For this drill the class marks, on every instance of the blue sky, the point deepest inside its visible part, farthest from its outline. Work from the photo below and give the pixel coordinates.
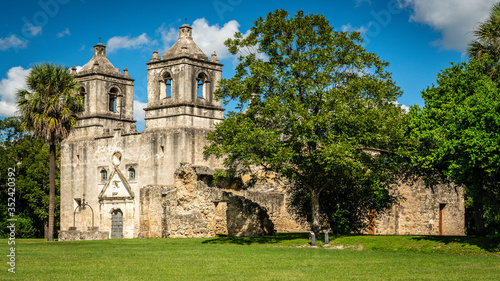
(417, 37)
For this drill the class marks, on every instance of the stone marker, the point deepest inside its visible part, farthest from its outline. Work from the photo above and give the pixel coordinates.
(313, 239)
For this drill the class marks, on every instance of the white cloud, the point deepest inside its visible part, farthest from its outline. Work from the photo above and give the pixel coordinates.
(454, 19)
(404, 107)
(168, 36)
(16, 80)
(350, 28)
(138, 110)
(212, 38)
(12, 42)
(63, 33)
(34, 30)
(208, 37)
(125, 42)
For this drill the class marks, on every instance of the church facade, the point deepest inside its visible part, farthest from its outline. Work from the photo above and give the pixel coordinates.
(119, 183)
(105, 161)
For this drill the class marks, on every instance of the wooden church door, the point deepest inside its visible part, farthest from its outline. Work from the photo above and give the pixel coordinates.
(117, 224)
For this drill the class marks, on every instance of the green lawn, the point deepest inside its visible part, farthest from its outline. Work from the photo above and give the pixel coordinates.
(282, 257)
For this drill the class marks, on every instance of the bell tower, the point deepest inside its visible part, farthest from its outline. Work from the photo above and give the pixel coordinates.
(108, 96)
(181, 86)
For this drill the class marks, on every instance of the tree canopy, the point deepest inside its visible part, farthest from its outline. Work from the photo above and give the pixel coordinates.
(29, 157)
(458, 133)
(315, 99)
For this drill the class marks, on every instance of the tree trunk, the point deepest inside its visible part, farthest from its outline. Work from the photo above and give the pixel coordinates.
(478, 218)
(52, 191)
(315, 227)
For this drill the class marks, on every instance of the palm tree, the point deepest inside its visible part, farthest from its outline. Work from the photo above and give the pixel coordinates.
(48, 109)
(487, 36)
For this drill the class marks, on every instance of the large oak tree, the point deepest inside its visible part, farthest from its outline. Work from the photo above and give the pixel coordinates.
(315, 99)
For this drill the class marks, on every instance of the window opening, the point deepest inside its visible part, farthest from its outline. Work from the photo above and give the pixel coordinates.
(104, 175)
(167, 86)
(201, 86)
(83, 94)
(131, 173)
(112, 99)
(200, 89)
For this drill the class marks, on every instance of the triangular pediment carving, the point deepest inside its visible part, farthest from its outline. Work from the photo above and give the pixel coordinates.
(117, 187)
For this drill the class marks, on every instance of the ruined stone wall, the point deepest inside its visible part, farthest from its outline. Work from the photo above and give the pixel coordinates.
(186, 209)
(424, 211)
(246, 218)
(276, 204)
(90, 234)
(192, 208)
(152, 210)
(220, 218)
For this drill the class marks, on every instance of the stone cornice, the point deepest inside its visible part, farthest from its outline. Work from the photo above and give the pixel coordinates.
(202, 106)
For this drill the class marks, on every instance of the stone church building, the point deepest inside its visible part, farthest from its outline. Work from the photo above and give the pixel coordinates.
(119, 183)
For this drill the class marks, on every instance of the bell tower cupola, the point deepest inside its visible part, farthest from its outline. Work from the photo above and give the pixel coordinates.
(108, 95)
(181, 86)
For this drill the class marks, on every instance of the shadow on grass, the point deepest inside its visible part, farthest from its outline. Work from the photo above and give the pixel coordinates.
(490, 244)
(280, 238)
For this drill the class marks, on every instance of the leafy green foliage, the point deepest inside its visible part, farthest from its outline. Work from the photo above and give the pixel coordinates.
(30, 157)
(458, 132)
(316, 99)
(48, 107)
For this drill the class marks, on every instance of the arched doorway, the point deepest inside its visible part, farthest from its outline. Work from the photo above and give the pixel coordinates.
(117, 224)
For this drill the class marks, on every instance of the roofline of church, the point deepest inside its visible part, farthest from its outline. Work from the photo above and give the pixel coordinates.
(106, 117)
(103, 74)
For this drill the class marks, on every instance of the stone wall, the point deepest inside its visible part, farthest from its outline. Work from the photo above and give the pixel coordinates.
(90, 234)
(220, 218)
(152, 210)
(424, 211)
(193, 208)
(275, 201)
(186, 209)
(246, 218)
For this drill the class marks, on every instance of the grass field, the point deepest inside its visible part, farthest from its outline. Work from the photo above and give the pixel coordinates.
(281, 257)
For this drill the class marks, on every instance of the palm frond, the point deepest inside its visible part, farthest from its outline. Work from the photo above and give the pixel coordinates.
(48, 106)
